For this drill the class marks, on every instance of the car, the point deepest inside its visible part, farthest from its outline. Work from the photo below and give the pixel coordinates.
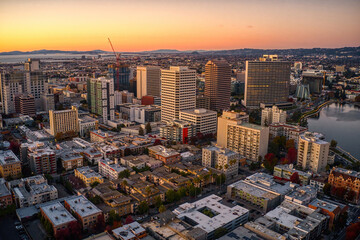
(17, 223)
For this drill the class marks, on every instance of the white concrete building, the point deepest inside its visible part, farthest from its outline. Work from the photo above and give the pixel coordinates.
(205, 120)
(209, 214)
(110, 169)
(312, 152)
(272, 115)
(287, 130)
(87, 124)
(178, 91)
(222, 159)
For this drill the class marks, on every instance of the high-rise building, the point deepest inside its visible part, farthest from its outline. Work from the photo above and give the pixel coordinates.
(266, 81)
(218, 84)
(48, 101)
(313, 152)
(178, 130)
(178, 91)
(221, 158)
(204, 120)
(25, 104)
(31, 81)
(148, 81)
(272, 115)
(121, 76)
(100, 97)
(234, 133)
(64, 123)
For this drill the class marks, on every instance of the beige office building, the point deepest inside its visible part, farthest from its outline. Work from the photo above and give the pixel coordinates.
(236, 134)
(217, 84)
(65, 121)
(313, 152)
(148, 81)
(178, 92)
(266, 81)
(204, 120)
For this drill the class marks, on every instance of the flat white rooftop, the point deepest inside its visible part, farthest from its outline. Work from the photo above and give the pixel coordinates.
(222, 214)
(82, 206)
(57, 214)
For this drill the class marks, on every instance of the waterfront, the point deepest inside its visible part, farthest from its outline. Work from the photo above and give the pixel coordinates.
(339, 122)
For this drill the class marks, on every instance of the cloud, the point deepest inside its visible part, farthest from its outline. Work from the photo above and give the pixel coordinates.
(250, 26)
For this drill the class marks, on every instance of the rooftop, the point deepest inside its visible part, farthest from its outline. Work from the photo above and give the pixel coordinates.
(222, 213)
(8, 157)
(323, 205)
(88, 172)
(57, 214)
(82, 206)
(163, 151)
(266, 181)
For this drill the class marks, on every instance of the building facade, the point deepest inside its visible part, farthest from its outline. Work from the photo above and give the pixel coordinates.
(64, 122)
(272, 115)
(178, 130)
(178, 91)
(266, 82)
(204, 120)
(148, 81)
(10, 165)
(218, 84)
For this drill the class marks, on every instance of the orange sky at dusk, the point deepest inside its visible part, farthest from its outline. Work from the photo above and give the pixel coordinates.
(138, 25)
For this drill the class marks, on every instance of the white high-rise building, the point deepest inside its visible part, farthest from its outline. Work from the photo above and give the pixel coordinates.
(313, 152)
(178, 92)
(148, 81)
(272, 115)
(204, 120)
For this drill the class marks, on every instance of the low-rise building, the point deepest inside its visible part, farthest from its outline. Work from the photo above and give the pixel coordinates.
(166, 155)
(348, 179)
(284, 172)
(32, 190)
(178, 131)
(87, 124)
(110, 168)
(302, 195)
(223, 159)
(5, 194)
(88, 176)
(259, 189)
(287, 130)
(10, 165)
(209, 214)
(130, 231)
(39, 156)
(100, 136)
(58, 216)
(203, 119)
(138, 162)
(71, 160)
(92, 155)
(84, 210)
(318, 182)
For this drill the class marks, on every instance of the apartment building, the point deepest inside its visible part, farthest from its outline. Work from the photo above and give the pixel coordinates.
(71, 160)
(148, 81)
(203, 119)
(284, 172)
(64, 122)
(84, 210)
(88, 176)
(313, 152)
(289, 131)
(5, 194)
(348, 179)
(166, 155)
(110, 168)
(223, 159)
(10, 165)
(178, 130)
(272, 115)
(32, 190)
(25, 104)
(87, 124)
(130, 231)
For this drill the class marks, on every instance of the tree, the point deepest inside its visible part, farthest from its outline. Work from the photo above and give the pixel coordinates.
(290, 143)
(340, 192)
(143, 207)
(357, 98)
(353, 231)
(270, 161)
(94, 184)
(148, 128)
(129, 219)
(350, 196)
(141, 131)
(75, 230)
(295, 178)
(333, 143)
(162, 209)
(158, 201)
(157, 142)
(291, 155)
(100, 223)
(170, 196)
(127, 152)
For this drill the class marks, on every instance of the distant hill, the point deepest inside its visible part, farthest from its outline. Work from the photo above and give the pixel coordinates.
(345, 51)
(44, 51)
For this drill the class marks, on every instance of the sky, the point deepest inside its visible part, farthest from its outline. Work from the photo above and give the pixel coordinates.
(139, 25)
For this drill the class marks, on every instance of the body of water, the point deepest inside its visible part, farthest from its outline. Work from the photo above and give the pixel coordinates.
(44, 57)
(341, 123)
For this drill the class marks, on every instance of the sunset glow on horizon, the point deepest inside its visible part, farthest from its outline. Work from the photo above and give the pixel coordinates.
(141, 25)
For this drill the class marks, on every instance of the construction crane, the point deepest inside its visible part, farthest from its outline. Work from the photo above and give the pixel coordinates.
(117, 56)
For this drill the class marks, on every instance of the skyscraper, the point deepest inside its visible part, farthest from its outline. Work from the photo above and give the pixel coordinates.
(218, 84)
(148, 81)
(178, 91)
(266, 81)
(121, 76)
(100, 96)
(25, 104)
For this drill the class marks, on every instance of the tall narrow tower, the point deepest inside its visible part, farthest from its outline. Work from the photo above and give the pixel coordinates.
(218, 84)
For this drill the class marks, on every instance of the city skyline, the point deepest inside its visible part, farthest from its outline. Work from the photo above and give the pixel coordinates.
(186, 25)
